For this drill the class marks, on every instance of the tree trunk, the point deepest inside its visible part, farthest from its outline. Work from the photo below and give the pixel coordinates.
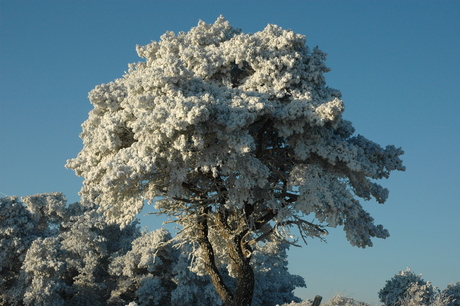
(244, 286)
(208, 256)
(245, 275)
(240, 257)
(317, 300)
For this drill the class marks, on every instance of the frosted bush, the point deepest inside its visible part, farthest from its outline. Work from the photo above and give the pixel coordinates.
(75, 257)
(48, 208)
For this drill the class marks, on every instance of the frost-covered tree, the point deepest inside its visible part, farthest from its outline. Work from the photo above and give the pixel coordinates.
(452, 294)
(48, 209)
(23, 221)
(145, 273)
(274, 285)
(236, 136)
(58, 254)
(193, 287)
(45, 268)
(17, 232)
(91, 244)
(407, 288)
(53, 254)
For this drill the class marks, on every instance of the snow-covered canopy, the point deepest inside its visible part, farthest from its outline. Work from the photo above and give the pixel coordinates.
(216, 117)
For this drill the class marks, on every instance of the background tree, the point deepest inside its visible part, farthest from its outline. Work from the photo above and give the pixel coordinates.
(145, 273)
(54, 254)
(58, 254)
(337, 300)
(452, 294)
(407, 288)
(274, 285)
(239, 139)
(17, 232)
(24, 222)
(194, 286)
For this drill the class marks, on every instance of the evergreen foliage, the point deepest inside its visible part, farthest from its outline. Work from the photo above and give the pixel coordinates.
(452, 292)
(237, 137)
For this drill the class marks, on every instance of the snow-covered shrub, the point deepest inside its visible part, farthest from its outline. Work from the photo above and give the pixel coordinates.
(91, 243)
(407, 288)
(49, 209)
(57, 254)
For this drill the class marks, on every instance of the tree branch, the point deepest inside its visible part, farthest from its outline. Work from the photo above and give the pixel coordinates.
(260, 136)
(191, 188)
(306, 229)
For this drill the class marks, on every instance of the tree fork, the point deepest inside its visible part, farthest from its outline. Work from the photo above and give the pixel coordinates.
(208, 256)
(238, 250)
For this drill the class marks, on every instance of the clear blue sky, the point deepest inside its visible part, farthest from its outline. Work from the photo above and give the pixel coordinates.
(397, 64)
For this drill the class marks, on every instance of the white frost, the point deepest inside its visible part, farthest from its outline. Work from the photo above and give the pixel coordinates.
(243, 118)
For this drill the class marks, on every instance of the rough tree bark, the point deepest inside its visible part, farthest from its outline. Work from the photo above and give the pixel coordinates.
(240, 255)
(241, 258)
(209, 258)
